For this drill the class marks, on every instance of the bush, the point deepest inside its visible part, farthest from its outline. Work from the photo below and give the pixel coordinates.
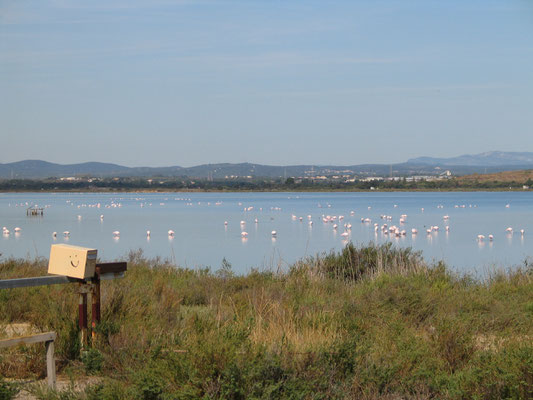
(93, 360)
(149, 384)
(354, 263)
(8, 390)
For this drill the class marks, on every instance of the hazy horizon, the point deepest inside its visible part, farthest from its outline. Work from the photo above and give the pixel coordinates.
(184, 82)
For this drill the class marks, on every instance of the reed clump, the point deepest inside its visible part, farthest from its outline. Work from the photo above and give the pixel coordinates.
(370, 322)
(355, 263)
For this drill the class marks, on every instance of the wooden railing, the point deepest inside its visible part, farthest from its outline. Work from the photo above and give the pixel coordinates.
(48, 338)
(104, 271)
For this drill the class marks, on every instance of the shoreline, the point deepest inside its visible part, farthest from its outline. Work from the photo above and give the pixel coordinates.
(425, 190)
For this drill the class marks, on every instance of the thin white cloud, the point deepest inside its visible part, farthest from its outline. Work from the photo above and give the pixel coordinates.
(123, 5)
(383, 90)
(279, 59)
(71, 12)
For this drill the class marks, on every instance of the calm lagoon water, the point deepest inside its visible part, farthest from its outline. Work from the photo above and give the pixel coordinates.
(201, 239)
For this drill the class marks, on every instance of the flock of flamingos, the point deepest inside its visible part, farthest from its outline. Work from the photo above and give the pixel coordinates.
(386, 228)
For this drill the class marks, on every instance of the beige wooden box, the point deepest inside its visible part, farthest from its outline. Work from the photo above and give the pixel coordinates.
(74, 261)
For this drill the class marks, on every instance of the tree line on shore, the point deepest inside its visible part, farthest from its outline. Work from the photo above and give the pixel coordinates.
(254, 184)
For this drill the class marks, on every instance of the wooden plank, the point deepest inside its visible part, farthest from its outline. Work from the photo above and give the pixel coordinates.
(41, 337)
(35, 281)
(112, 267)
(50, 364)
(115, 268)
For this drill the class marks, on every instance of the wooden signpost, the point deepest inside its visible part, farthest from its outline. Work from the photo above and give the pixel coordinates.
(88, 285)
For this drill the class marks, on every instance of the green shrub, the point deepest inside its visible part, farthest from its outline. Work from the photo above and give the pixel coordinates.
(108, 390)
(93, 360)
(354, 263)
(149, 384)
(8, 390)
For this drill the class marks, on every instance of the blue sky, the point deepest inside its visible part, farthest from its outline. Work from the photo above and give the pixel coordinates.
(188, 82)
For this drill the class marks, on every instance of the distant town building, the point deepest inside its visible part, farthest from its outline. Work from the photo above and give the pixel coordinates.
(372, 179)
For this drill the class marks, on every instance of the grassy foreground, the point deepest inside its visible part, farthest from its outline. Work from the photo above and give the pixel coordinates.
(366, 323)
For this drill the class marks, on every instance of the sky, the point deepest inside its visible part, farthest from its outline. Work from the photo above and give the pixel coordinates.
(184, 82)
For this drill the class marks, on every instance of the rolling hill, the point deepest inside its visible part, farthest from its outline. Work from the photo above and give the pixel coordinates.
(488, 159)
(491, 162)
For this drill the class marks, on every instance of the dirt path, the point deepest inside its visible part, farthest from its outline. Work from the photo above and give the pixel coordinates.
(63, 383)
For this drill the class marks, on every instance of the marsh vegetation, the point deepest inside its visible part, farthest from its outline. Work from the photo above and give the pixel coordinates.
(369, 322)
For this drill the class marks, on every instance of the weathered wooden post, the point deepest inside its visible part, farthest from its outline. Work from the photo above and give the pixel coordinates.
(82, 313)
(95, 311)
(50, 363)
(48, 338)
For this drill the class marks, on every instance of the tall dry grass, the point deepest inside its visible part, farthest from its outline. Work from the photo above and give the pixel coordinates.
(368, 322)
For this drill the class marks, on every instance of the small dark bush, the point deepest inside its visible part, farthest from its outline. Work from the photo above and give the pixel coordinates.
(8, 390)
(353, 263)
(93, 361)
(149, 384)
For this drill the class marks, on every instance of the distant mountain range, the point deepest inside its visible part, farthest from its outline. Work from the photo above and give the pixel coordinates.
(37, 169)
(488, 159)
(490, 162)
